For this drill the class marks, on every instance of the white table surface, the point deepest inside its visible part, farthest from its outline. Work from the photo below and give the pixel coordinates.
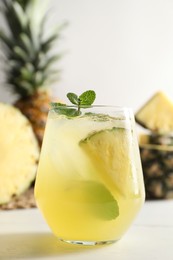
(25, 235)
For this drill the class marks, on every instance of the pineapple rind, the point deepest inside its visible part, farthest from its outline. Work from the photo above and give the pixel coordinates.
(157, 114)
(157, 167)
(147, 140)
(19, 153)
(157, 164)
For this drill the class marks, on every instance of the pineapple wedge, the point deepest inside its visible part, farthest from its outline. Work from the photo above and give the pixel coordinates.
(19, 153)
(157, 114)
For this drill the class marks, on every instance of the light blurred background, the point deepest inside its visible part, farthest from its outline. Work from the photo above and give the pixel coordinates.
(122, 49)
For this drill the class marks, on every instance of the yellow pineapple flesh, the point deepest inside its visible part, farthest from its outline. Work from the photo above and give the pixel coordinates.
(19, 153)
(157, 114)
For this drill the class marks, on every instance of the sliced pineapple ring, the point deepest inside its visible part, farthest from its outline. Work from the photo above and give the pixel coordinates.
(19, 153)
(157, 114)
(110, 151)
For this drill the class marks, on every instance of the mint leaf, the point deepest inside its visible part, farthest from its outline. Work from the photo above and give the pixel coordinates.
(101, 201)
(70, 112)
(83, 101)
(94, 197)
(56, 104)
(73, 98)
(87, 98)
(62, 109)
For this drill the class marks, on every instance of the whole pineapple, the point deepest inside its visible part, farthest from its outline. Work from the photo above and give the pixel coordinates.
(156, 147)
(29, 63)
(157, 162)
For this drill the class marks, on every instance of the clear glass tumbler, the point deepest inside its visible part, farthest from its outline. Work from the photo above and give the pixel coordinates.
(89, 184)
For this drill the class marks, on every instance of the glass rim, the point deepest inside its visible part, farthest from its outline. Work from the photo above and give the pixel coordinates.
(118, 108)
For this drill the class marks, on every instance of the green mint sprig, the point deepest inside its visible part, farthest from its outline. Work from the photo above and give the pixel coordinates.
(85, 100)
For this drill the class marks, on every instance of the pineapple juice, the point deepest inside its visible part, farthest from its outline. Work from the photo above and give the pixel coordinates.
(89, 183)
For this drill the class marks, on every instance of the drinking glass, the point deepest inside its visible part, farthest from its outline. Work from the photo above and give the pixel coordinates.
(89, 185)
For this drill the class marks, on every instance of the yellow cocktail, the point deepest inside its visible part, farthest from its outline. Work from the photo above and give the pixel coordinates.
(89, 184)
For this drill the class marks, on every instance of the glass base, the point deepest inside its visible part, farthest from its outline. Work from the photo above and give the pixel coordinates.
(88, 243)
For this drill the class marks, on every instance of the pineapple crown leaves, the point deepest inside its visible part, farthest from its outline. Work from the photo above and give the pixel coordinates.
(28, 50)
(23, 3)
(14, 16)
